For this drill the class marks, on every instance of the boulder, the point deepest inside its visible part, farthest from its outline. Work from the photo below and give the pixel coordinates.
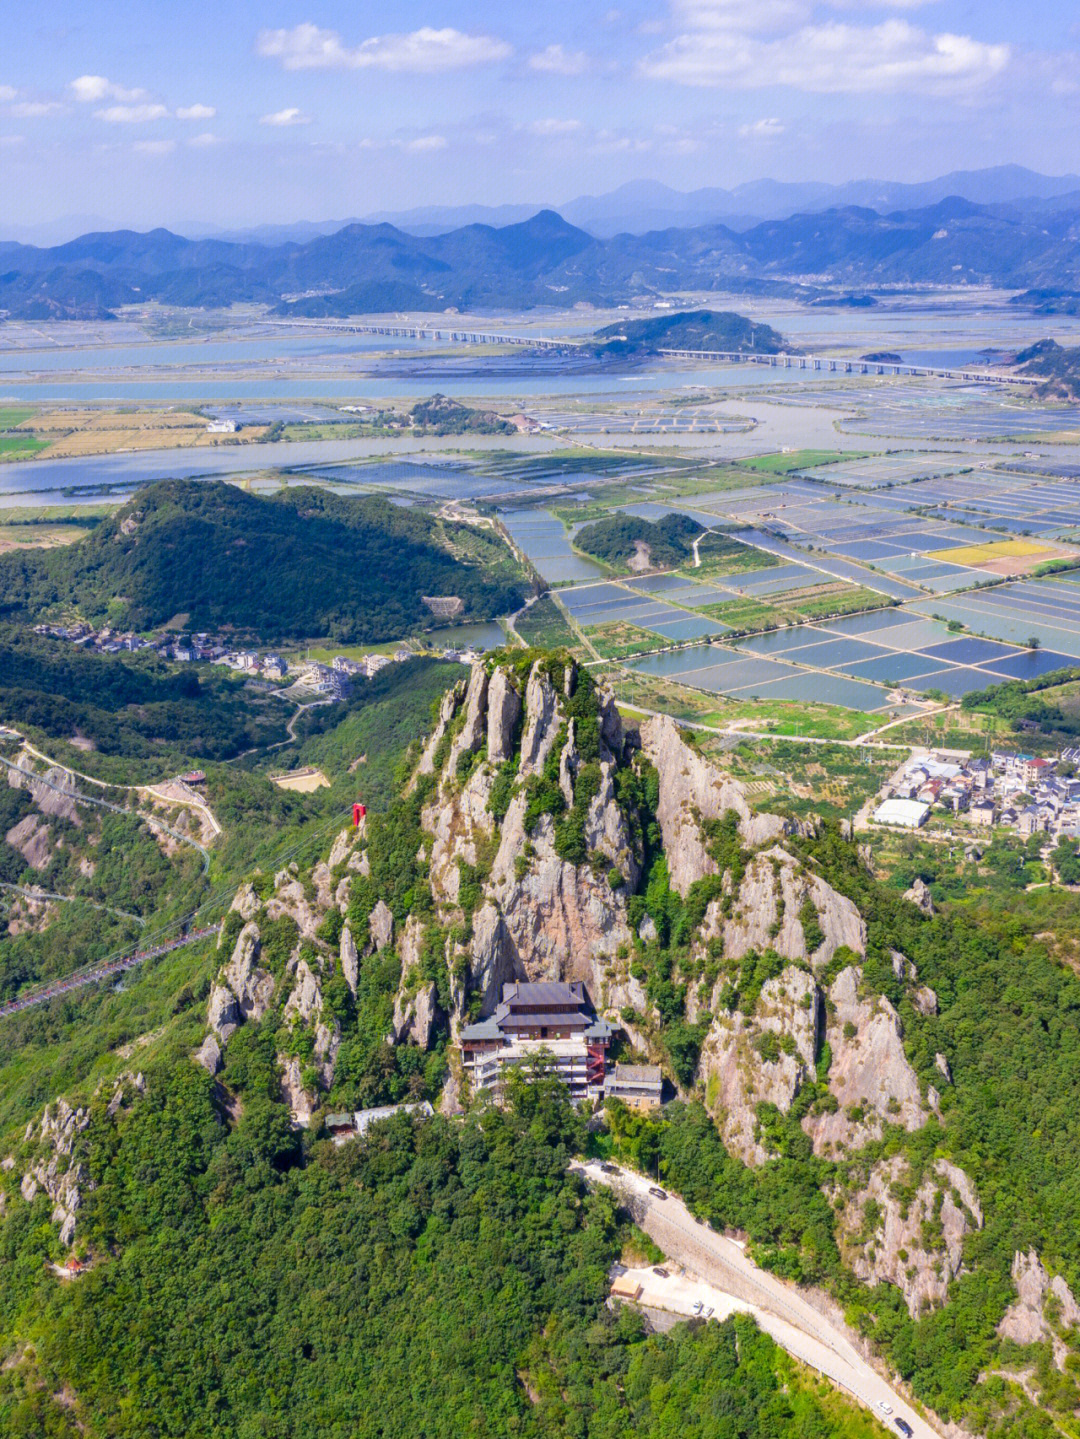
(1026, 1320)
(920, 896)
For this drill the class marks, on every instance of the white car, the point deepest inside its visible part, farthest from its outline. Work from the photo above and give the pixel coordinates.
(884, 1407)
(698, 1306)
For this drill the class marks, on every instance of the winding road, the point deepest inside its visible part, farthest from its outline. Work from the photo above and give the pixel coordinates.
(725, 1277)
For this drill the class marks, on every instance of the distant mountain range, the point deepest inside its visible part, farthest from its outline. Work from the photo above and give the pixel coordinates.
(643, 205)
(546, 260)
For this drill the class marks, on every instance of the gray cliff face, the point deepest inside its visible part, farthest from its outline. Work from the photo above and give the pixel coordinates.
(692, 789)
(349, 958)
(541, 721)
(870, 1075)
(504, 712)
(763, 1058)
(916, 1244)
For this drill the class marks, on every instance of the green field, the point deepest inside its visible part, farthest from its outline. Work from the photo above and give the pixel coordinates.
(783, 464)
(17, 447)
(544, 626)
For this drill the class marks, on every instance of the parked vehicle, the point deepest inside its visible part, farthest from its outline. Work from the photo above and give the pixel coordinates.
(698, 1306)
(905, 1428)
(663, 1273)
(884, 1407)
(657, 1193)
(609, 1168)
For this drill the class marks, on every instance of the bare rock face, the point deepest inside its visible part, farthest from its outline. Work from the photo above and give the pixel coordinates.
(447, 710)
(32, 837)
(766, 1057)
(606, 829)
(692, 789)
(305, 1002)
(209, 1056)
(459, 823)
(381, 926)
(541, 721)
(415, 1017)
(561, 921)
(869, 1075)
(766, 912)
(252, 986)
(246, 902)
(53, 1171)
(301, 1102)
(327, 1044)
(925, 1000)
(468, 738)
(885, 1240)
(919, 895)
(339, 851)
(53, 793)
(1025, 1321)
(503, 713)
(349, 958)
(493, 959)
(223, 1013)
(289, 899)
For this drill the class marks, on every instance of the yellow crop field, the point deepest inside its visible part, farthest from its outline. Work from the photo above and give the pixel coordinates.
(994, 550)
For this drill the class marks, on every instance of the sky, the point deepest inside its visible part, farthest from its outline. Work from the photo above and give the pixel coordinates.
(225, 113)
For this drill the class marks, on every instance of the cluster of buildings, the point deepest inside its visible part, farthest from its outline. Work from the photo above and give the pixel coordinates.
(332, 680)
(555, 1020)
(1030, 794)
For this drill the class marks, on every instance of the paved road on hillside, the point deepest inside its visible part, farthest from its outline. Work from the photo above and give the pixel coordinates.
(779, 1308)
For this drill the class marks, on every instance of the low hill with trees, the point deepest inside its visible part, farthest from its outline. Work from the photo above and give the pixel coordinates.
(693, 330)
(303, 563)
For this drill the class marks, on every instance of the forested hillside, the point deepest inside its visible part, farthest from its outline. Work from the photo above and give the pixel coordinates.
(303, 563)
(879, 1088)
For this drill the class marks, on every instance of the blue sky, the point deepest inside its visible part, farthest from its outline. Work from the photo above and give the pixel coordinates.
(240, 113)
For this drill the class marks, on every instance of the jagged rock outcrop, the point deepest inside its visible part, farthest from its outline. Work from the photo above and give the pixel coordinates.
(869, 1075)
(911, 1237)
(289, 898)
(562, 921)
(1029, 1319)
(447, 710)
(53, 792)
(252, 986)
(692, 789)
(503, 713)
(416, 1015)
(493, 957)
(54, 1168)
(474, 728)
(381, 926)
(209, 1056)
(606, 829)
(301, 1101)
(349, 958)
(541, 720)
(762, 1058)
(246, 903)
(223, 1012)
(305, 999)
(920, 896)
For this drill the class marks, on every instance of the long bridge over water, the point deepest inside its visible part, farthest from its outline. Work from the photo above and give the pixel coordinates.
(825, 364)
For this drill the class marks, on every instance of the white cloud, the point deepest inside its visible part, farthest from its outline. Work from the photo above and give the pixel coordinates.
(833, 58)
(291, 116)
(753, 17)
(554, 60)
(154, 147)
(767, 129)
(32, 109)
(131, 114)
(203, 141)
(554, 127)
(423, 52)
(7, 92)
(8, 142)
(424, 144)
(195, 112)
(93, 88)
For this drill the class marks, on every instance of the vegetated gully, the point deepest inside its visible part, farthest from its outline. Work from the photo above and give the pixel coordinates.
(780, 1309)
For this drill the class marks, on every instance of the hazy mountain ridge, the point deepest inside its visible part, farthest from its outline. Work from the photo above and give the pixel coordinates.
(545, 260)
